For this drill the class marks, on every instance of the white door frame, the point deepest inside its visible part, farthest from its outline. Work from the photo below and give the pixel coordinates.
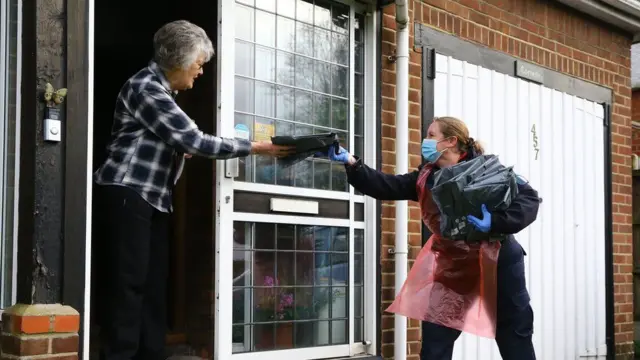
(225, 215)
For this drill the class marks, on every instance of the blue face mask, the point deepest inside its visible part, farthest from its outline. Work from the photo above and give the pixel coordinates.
(430, 151)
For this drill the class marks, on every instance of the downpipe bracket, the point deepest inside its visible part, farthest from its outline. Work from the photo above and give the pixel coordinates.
(393, 251)
(393, 57)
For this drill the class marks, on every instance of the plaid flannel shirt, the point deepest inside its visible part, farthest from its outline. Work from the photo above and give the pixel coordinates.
(151, 134)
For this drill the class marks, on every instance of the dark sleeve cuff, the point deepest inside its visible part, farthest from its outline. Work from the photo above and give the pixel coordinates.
(356, 166)
(243, 147)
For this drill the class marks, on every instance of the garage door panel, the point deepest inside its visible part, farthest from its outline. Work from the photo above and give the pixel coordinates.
(555, 141)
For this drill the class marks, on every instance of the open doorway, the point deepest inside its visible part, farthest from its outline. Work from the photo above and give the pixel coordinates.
(123, 45)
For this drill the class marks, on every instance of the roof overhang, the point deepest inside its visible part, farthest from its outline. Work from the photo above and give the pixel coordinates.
(624, 14)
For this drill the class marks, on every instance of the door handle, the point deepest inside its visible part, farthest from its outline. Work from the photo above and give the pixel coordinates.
(232, 168)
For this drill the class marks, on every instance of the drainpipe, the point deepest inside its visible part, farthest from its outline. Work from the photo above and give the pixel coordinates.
(402, 166)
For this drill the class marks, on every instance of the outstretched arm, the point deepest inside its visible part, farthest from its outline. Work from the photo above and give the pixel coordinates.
(379, 185)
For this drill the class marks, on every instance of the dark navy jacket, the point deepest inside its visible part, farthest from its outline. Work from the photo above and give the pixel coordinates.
(378, 185)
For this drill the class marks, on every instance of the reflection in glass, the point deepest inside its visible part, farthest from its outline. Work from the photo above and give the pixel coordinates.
(304, 39)
(339, 114)
(267, 34)
(304, 109)
(286, 293)
(299, 56)
(358, 146)
(339, 178)
(304, 72)
(245, 29)
(358, 121)
(359, 89)
(285, 107)
(266, 67)
(340, 49)
(265, 99)
(287, 8)
(322, 14)
(340, 84)
(304, 11)
(286, 68)
(340, 16)
(286, 34)
(359, 57)
(304, 174)
(244, 95)
(322, 44)
(322, 110)
(322, 175)
(322, 74)
(244, 58)
(269, 5)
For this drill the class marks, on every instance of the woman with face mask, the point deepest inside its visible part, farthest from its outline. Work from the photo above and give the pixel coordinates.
(448, 143)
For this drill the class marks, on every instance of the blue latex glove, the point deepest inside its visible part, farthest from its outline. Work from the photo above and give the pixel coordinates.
(342, 156)
(483, 224)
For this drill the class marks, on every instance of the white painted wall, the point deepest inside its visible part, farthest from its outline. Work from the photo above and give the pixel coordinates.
(565, 265)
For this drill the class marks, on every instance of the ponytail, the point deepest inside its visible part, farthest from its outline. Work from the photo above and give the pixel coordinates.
(476, 146)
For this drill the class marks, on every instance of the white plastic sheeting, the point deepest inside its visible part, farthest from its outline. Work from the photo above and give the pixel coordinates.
(556, 141)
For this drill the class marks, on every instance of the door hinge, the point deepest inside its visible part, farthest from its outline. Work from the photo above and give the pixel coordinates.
(429, 66)
(606, 119)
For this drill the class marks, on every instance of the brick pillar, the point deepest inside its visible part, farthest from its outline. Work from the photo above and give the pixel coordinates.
(46, 332)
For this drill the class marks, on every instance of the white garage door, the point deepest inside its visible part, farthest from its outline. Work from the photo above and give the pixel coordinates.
(556, 141)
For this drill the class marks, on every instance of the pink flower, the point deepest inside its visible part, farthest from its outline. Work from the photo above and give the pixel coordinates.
(287, 300)
(268, 281)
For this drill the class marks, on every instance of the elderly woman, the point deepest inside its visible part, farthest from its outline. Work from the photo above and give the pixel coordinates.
(151, 136)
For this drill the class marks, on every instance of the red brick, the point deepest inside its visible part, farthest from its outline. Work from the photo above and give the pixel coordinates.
(14, 345)
(66, 323)
(66, 344)
(31, 324)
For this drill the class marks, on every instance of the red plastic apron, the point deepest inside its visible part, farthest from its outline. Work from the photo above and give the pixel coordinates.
(451, 283)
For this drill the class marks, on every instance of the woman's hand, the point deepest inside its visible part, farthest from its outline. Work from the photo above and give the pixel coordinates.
(483, 224)
(342, 156)
(268, 148)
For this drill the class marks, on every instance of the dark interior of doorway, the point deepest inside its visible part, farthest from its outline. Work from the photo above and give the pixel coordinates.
(123, 45)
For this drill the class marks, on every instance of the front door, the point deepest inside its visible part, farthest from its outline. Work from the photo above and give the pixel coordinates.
(295, 247)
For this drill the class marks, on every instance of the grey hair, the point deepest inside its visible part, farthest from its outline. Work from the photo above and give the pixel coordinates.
(177, 45)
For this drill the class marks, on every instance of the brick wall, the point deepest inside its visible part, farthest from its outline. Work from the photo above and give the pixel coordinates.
(541, 32)
(40, 332)
(635, 111)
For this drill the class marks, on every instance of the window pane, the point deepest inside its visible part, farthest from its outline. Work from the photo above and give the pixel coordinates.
(269, 5)
(287, 8)
(266, 23)
(244, 58)
(305, 11)
(266, 67)
(297, 293)
(286, 33)
(245, 30)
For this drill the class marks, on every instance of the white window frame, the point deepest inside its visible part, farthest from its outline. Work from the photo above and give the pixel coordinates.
(225, 216)
(5, 23)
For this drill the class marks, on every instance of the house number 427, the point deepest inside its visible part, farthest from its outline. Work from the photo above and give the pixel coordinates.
(535, 140)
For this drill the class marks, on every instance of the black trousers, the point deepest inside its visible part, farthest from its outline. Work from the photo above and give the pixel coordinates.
(515, 315)
(135, 241)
